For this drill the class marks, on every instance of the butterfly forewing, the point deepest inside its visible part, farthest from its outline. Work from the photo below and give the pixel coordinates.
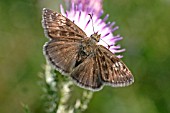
(58, 26)
(113, 71)
(73, 53)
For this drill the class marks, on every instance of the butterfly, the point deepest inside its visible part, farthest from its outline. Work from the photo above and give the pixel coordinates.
(75, 54)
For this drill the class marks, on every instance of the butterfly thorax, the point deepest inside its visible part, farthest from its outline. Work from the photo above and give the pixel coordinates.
(92, 40)
(89, 45)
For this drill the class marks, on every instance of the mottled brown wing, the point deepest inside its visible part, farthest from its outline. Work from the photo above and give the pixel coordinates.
(57, 26)
(87, 74)
(62, 56)
(65, 37)
(100, 68)
(113, 71)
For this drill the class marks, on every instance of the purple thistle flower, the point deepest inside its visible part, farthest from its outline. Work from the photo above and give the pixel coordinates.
(94, 6)
(78, 11)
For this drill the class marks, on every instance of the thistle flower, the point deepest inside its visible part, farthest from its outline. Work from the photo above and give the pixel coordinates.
(78, 12)
(94, 6)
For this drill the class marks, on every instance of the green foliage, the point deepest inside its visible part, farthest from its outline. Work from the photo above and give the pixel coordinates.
(26, 108)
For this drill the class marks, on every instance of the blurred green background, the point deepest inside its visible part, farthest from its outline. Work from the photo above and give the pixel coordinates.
(145, 26)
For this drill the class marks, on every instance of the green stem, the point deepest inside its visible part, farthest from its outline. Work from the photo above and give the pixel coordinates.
(64, 96)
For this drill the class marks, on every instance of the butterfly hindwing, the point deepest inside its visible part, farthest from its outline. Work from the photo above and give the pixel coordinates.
(62, 55)
(87, 74)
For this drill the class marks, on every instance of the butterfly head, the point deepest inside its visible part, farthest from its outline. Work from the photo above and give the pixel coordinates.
(96, 36)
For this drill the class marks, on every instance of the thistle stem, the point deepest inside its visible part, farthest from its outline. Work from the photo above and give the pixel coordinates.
(62, 95)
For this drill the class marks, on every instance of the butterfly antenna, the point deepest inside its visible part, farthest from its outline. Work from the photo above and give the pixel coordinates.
(106, 43)
(92, 21)
(94, 32)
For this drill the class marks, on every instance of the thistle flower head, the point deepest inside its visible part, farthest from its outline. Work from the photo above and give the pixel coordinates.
(79, 11)
(94, 6)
